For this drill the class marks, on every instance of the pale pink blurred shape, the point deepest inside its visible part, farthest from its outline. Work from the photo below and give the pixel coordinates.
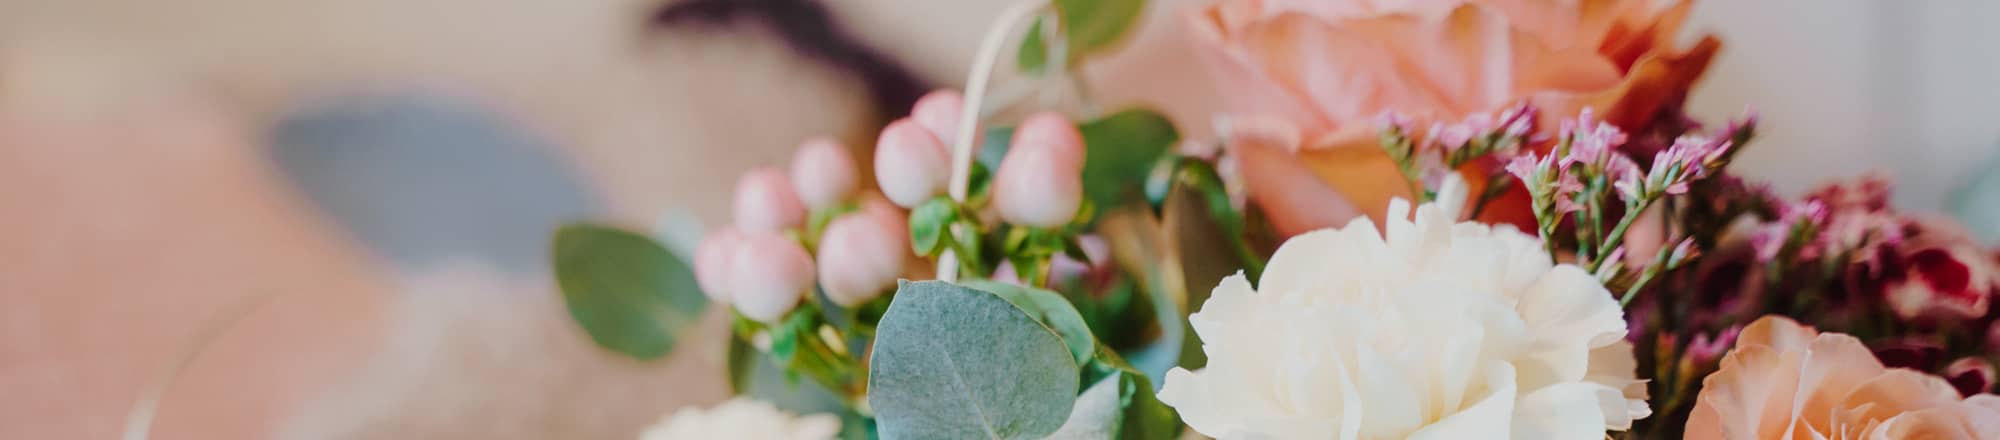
(911, 164)
(766, 202)
(861, 255)
(712, 260)
(1786, 380)
(1040, 182)
(768, 274)
(939, 111)
(824, 173)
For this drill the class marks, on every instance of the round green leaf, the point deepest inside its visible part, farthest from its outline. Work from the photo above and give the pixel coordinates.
(954, 362)
(1050, 309)
(630, 294)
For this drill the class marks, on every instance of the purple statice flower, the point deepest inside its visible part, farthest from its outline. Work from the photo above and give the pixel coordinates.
(1591, 141)
(1453, 136)
(1524, 167)
(1626, 178)
(1517, 121)
(1567, 185)
(1774, 238)
(1391, 120)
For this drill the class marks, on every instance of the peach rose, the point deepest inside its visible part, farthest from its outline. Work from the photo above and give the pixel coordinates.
(1785, 380)
(1327, 69)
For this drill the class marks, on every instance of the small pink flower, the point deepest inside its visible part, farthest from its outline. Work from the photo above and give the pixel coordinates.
(1705, 350)
(1063, 269)
(939, 111)
(768, 274)
(712, 260)
(911, 164)
(862, 254)
(823, 173)
(1040, 182)
(766, 202)
(1970, 375)
(1523, 167)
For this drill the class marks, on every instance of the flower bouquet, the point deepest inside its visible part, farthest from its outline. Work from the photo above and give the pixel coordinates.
(1447, 219)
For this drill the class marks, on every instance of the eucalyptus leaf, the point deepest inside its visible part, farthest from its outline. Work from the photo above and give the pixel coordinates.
(1048, 308)
(1120, 404)
(955, 362)
(629, 293)
(1097, 414)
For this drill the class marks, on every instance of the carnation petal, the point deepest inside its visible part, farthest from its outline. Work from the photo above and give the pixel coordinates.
(1561, 411)
(1489, 414)
(1568, 313)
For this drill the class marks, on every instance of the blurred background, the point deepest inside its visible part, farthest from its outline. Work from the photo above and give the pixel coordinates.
(329, 219)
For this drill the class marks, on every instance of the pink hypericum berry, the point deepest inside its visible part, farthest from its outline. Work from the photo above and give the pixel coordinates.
(766, 202)
(911, 165)
(768, 274)
(1040, 182)
(824, 173)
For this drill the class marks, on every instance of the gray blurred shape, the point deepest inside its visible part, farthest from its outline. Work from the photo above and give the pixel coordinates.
(423, 178)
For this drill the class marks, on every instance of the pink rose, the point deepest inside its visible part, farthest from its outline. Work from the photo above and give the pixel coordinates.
(1329, 68)
(1786, 380)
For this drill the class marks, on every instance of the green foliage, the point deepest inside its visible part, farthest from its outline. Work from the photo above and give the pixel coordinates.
(1087, 27)
(629, 293)
(1199, 176)
(1050, 309)
(928, 223)
(955, 362)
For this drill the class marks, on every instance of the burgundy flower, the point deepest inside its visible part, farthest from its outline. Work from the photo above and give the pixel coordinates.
(1970, 375)
(1943, 275)
(1913, 352)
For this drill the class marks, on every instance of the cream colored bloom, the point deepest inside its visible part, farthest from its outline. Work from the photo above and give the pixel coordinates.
(1443, 330)
(742, 418)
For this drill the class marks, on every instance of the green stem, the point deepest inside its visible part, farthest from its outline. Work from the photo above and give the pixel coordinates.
(1617, 236)
(1653, 269)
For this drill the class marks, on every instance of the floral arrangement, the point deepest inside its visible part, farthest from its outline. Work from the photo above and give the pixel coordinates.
(1446, 219)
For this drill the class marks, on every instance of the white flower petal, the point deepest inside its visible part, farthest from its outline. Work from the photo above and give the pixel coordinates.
(1561, 412)
(1489, 415)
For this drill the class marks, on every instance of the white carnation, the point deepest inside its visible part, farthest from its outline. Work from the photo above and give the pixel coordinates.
(1442, 330)
(743, 419)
